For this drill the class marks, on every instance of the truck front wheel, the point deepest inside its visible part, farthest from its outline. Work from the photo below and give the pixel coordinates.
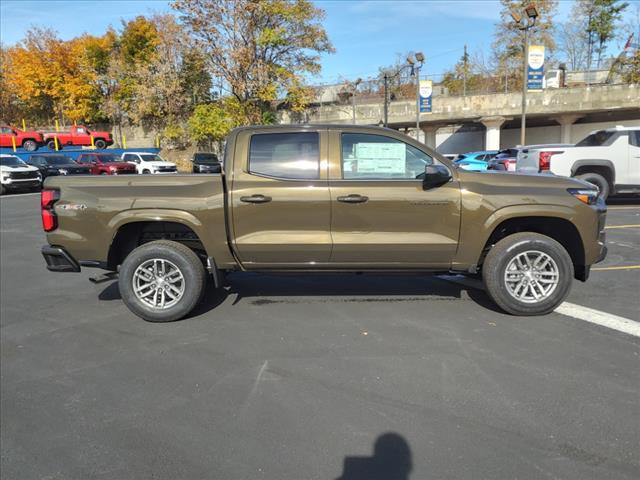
(161, 281)
(528, 274)
(51, 145)
(100, 144)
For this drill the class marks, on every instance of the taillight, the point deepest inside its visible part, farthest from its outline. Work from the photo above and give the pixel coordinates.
(544, 160)
(47, 199)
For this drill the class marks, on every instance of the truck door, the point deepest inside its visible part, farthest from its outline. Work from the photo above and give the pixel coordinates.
(280, 207)
(634, 159)
(381, 216)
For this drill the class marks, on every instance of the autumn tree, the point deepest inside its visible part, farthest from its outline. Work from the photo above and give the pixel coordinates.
(509, 39)
(260, 50)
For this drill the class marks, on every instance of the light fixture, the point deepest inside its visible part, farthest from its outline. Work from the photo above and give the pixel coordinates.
(410, 60)
(531, 10)
(420, 57)
(516, 16)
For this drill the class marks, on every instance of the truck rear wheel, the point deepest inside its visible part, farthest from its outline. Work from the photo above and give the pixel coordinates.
(528, 274)
(599, 181)
(51, 145)
(161, 281)
(100, 144)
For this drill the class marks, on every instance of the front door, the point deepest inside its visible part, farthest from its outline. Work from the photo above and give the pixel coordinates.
(381, 216)
(280, 206)
(634, 159)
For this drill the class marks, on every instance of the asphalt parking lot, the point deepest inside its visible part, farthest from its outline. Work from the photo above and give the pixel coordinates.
(315, 377)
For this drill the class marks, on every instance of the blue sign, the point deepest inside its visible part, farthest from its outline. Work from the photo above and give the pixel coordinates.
(426, 92)
(535, 68)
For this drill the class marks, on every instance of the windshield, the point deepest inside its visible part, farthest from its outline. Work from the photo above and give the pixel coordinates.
(596, 139)
(108, 158)
(12, 162)
(205, 158)
(508, 153)
(152, 158)
(59, 160)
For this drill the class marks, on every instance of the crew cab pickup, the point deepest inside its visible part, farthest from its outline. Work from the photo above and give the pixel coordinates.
(78, 135)
(30, 141)
(608, 159)
(325, 198)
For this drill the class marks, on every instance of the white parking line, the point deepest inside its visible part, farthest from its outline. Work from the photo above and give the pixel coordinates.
(604, 319)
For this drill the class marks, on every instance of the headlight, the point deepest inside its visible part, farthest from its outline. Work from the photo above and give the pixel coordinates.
(5, 178)
(588, 196)
(113, 169)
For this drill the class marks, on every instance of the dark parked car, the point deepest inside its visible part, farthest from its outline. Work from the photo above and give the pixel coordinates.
(206, 163)
(106, 164)
(51, 164)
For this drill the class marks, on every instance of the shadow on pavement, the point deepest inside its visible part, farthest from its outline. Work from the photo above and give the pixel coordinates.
(271, 289)
(391, 460)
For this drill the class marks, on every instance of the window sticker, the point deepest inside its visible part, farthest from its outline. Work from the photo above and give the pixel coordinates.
(387, 158)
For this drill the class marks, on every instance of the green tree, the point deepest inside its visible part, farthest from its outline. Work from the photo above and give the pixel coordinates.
(260, 50)
(602, 17)
(212, 122)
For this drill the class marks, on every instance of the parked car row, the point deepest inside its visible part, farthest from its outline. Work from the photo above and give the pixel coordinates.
(23, 175)
(77, 135)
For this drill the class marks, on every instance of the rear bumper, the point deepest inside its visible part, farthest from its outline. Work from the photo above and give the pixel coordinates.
(59, 260)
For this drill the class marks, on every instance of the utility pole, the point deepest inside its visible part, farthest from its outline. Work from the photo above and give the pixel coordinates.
(464, 72)
(420, 59)
(386, 100)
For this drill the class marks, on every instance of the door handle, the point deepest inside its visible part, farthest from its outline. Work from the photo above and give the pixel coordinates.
(255, 199)
(353, 198)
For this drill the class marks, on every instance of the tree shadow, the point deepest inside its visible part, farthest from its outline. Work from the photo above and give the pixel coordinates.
(264, 289)
(391, 460)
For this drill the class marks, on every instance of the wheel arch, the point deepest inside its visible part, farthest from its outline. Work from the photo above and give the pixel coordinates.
(556, 227)
(604, 167)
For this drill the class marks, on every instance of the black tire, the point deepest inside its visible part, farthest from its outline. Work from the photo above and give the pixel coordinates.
(51, 145)
(599, 181)
(100, 144)
(146, 172)
(30, 145)
(506, 250)
(184, 259)
(103, 173)
(3, 189)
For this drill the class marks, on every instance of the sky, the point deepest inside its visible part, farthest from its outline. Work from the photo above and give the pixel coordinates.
(365, 34)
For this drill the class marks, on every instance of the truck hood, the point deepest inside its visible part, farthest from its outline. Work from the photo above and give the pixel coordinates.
(25, 168)
(529, 185)
(120, 165)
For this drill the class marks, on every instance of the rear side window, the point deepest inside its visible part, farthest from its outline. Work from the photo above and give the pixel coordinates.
(596, 139)
(285, 155)
(634, 138)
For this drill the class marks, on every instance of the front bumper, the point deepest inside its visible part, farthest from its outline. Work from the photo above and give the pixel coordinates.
(16, 184)
(59, 260)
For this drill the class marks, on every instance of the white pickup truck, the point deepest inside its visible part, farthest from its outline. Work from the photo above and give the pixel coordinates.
(609, 159)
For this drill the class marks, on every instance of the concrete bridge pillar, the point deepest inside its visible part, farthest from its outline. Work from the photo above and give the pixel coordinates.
(492, 136)
(565, 122)
(430, 135)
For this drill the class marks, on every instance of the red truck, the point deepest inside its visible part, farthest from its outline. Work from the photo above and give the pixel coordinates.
(78, 135)
(106, 164)
(30, 141)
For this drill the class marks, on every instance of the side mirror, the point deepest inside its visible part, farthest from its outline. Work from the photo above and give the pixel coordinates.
(434, 176)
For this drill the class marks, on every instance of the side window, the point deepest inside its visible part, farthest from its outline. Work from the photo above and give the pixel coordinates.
(634, 138)
(6, 130)
(376, 157)
(285, 155)
(80, 130)
(82, 159)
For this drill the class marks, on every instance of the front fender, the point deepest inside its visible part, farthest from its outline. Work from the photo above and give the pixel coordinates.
(474, 239)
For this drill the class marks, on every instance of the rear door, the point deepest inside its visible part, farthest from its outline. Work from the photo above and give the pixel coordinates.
(634, 159)
(280, 207)
(381, 215)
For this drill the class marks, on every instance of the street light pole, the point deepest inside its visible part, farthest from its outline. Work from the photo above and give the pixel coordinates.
(532, 13)
(420, 59)
(523, 122)
(386, 106)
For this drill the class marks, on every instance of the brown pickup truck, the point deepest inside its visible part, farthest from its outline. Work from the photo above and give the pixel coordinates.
(318, 198)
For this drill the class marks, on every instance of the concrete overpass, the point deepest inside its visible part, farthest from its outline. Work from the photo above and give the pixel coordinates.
(492, 121)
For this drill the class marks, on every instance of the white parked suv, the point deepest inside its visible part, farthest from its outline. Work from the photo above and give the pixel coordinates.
(149, 163)
(609, 159)
(17, 175)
